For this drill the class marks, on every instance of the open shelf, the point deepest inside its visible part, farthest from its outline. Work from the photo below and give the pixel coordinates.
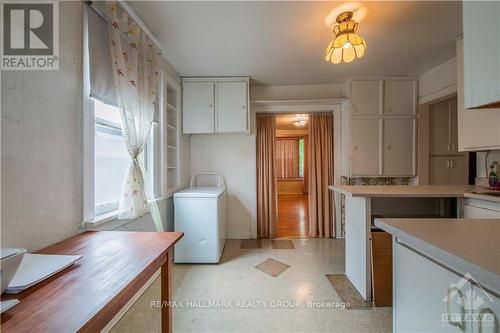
(171, 107)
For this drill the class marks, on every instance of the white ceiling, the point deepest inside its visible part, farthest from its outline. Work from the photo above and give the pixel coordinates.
(282, 43)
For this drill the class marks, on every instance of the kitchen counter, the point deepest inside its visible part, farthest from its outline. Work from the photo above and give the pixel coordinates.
(463, 245)
(413, 191)
(364, 203)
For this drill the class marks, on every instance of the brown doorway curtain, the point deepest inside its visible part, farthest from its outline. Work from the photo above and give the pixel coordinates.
(266, 176)
(321, 210)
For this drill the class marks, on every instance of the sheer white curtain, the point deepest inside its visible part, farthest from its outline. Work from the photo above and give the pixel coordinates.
(134, 59)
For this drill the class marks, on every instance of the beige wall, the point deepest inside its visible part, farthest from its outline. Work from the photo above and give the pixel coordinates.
(290, 187)
(232, 155)
(296, 92)
(42, 182)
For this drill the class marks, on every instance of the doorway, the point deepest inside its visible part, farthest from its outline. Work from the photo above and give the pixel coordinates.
(291, 165)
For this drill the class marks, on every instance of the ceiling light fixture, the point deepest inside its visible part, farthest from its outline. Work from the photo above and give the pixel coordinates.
(301, 121)
(347, 44)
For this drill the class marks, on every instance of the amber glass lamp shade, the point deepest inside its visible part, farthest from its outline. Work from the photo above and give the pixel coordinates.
(347, 44)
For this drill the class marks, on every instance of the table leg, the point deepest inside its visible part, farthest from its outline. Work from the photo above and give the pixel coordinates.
(166, 294)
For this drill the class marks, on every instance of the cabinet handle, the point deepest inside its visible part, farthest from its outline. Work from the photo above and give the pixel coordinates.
(452, 164)
(447, 164)
(389, 147)
(355, 147)
(448, 148)
(210, 105)
(452, 147)
(243, 107)
(449, 297)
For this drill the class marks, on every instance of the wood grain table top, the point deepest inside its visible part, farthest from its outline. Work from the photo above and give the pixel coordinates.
(87, 295)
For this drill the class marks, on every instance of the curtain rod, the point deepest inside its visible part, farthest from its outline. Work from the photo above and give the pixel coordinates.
(134, 15)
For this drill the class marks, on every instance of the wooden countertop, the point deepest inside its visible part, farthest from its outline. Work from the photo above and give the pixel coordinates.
(464, 245)
(437, 191)
(87, 295)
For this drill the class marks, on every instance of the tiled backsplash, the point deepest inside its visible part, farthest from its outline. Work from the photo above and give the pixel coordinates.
(365, 181)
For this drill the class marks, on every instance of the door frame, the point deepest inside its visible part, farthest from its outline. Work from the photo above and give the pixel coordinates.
(309, 106)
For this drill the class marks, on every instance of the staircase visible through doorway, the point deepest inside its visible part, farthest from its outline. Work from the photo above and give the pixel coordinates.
(293, 216)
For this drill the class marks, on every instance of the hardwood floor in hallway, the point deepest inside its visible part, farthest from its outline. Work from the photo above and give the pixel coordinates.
(293, 216)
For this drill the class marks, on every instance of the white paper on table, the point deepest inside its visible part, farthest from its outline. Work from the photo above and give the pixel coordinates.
(35, 268)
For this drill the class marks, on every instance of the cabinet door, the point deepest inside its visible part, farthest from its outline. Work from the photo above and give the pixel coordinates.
(477, 129)
(198, 107)
(366, 97)
(365, 147)
(489, 309)
(399, 147)
(481, 52)
(459, 170)
(439, 128)
(232, 107)
(420, 293)
(399, 97)
(475, 212)
(439, 170)
(453, 125)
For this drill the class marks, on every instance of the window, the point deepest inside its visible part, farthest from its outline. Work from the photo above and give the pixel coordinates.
(301, 158)
(106, 159)
(111, 158)
(290, 158)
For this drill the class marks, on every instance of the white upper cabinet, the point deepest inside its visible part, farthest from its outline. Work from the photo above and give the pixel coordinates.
(215, 105)
(481, 53)
(399, 147)
(232, 115)
(198, 100)
(399, 97)
(365, 147)
(477, 129)
(365, 97)
(379, 128)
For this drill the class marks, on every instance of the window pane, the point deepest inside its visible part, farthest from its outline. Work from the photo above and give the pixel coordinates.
(111, 158)
(301, 158)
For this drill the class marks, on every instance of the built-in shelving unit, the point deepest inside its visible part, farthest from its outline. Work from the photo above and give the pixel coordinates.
(171, 106)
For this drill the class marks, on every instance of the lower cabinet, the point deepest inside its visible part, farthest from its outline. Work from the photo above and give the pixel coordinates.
(480, 209)
(431, 298)
(449, 170)
(420, 293)
(489, 309)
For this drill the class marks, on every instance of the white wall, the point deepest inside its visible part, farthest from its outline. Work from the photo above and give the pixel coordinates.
(41, 137)
(296, 92)
(41, 145)
(232, 155)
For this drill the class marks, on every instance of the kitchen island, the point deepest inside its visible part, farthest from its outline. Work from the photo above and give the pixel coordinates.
(446, 274)
(364, 203)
